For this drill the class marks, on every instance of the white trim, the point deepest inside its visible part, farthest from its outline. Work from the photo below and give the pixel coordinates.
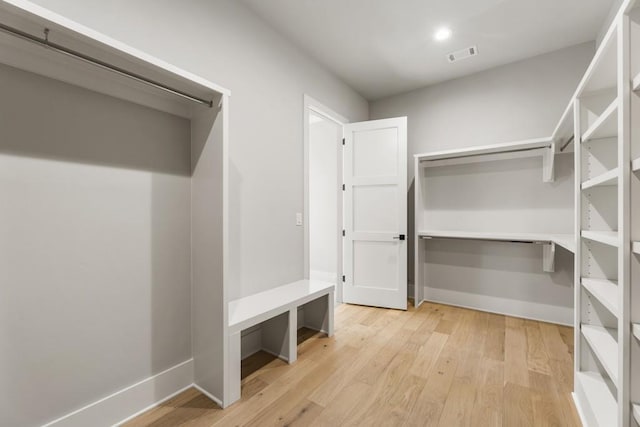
(508, 307)
(310, 104)
(118, 407)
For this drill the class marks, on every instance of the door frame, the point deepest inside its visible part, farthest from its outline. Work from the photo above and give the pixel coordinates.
(312, 105)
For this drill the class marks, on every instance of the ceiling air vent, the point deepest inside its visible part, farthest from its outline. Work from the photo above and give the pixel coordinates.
(465, 53)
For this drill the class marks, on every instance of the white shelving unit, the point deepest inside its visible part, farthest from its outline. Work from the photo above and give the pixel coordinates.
(604, 388)
(36, 40)
(545, 148)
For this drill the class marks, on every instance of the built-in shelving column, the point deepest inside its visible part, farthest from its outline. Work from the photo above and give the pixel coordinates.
(602, 226)
(634, 305)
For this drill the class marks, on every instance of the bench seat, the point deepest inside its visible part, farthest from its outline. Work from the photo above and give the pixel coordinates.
(276, 310)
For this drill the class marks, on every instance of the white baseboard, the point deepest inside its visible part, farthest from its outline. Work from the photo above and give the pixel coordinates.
(509, 307)
(131, 401)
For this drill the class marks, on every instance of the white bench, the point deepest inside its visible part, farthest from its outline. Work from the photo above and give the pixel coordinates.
(277, 311)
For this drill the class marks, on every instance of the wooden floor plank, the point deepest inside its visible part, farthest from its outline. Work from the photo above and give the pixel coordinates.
(518, 408)
(488, 407)
(516, 370)
(537, 357)
(429, 366)
(458, 407)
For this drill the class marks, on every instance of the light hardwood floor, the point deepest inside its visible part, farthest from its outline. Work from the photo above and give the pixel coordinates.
(434, 366)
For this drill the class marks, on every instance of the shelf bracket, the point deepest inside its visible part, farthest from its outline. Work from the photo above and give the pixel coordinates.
(548, 257)
(548, 163)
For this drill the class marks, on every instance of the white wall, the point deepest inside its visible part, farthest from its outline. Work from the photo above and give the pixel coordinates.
(94, 246)
(512, 102)
(226, 43)
(324, 141)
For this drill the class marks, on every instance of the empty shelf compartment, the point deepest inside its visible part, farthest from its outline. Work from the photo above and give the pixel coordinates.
(605, 291)
(604, 345)
(605, 126)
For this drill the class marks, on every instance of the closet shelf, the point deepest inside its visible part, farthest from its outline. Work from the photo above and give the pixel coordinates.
(605, 291)
(531, 145)
(608, 178)
(606, 237)
(606, 126)
(635, 165)
(636, 330)
(636, 247)
(599, 398)
(564, 240)
(604, 345)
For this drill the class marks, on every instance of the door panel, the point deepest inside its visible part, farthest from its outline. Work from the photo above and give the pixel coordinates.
(375, 223)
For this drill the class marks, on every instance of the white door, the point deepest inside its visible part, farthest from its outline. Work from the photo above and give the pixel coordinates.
(375, 213)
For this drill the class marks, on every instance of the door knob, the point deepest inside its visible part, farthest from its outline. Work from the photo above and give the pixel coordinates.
(400, 237)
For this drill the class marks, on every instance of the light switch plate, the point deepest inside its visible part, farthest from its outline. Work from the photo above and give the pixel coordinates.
(298, 219)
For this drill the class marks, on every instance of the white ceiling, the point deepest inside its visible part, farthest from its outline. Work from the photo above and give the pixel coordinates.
(384, 47)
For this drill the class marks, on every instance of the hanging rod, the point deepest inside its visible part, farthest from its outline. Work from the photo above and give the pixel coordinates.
(516, 150)
(488, 239)
(44, 42)
(566, 144)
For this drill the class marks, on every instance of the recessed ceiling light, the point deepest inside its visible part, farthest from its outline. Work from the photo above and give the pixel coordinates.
(442, 34)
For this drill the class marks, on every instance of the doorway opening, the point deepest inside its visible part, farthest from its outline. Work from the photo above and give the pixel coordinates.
(323, 193)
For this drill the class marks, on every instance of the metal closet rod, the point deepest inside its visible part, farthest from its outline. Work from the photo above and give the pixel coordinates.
(566, 144)
(44, 42)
